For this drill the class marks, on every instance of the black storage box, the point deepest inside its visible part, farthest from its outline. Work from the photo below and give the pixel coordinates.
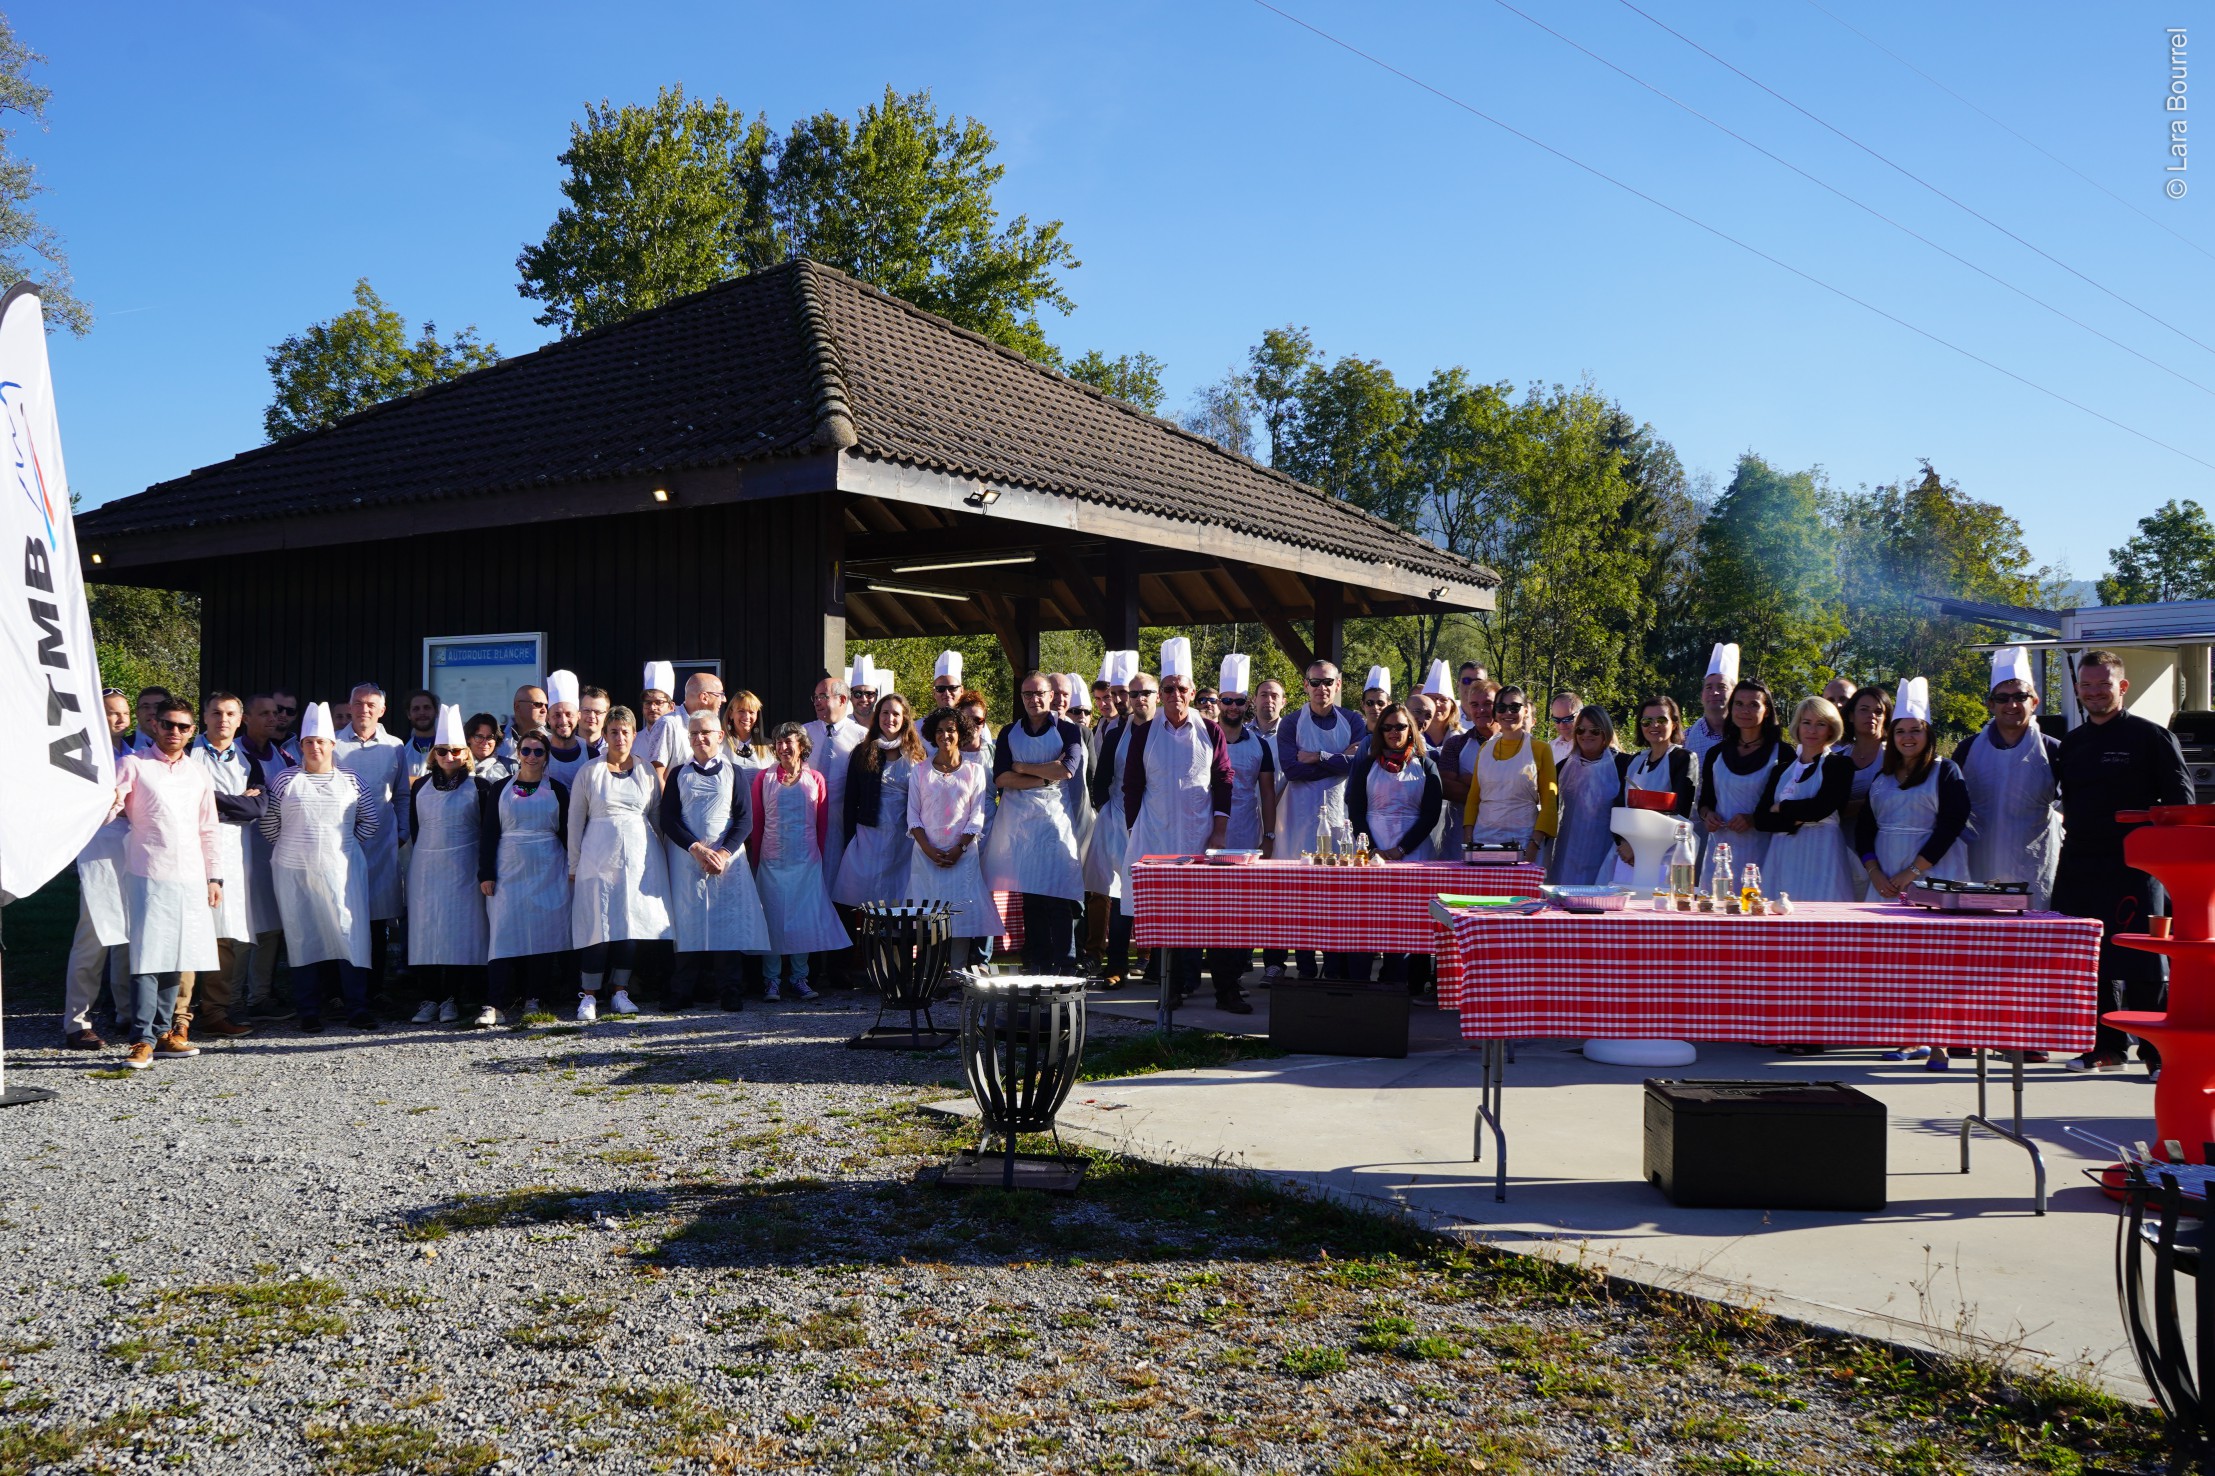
(1765, 1144)
(1338, 1017)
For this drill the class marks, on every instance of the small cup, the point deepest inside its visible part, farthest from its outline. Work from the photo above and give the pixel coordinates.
(2157, 927)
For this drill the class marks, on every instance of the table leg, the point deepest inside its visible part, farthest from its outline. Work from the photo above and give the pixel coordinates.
(1489, 1101)
(1163, 1017)
(1981, 1119)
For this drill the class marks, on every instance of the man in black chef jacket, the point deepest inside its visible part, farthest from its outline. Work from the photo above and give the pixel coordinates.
(2113, 761)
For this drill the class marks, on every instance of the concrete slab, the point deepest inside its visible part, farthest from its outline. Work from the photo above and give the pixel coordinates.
(1956, 1261)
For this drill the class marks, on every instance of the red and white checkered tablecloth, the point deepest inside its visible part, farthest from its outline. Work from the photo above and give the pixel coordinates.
(1293, 904)
(1011, 923)
(1832, 973)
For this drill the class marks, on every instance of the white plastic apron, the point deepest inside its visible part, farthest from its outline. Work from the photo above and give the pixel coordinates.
(446, 907)
(261, 901)
(2013, 813)
(622, 887)
(100, 883)
(793, 897)
(961, 885)
(1307, 802)
(1905, 818)
(1735, 794)
(1033, 847)
(1507, 799)
(875, 866)
(1103, 848)
(1811, 863)
(380, 769)
(1177, 814)
(230, 776)
(566, 770)
(528, 912)
(318, 872)
(830, 753)
(1585, 845)
(1395, 804)
(1243, 832)
(710, 913)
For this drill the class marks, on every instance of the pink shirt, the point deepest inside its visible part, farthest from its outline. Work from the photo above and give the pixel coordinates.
(947, 806)
(171, 810)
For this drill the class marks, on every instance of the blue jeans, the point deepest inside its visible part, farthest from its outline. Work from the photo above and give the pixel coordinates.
(311, 985)
(153, 1006)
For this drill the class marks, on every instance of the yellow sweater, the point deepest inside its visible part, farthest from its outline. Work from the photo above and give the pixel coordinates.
(1549, 788)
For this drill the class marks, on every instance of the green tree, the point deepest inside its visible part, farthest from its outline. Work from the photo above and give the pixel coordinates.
(1658, 525)
(662, 201)
(1224, 413)
(1768, 576)
(30, 250)
(2170, 557)
(146, 637)
(1274, 382)
(1134, 378)
(674, 198)
(1901, 547)
(361, 358)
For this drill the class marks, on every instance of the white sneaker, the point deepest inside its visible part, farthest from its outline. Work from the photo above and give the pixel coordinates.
(530, 1007)
(486, 1018)
(588, 1009)
(448, 1013)
(621, 1003)
(769, 992)
(425, 1013)
(800, 988)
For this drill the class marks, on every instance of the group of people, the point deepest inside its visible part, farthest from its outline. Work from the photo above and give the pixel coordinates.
(576, 844)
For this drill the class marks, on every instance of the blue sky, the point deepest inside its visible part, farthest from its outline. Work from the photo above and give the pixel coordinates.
(222, 174)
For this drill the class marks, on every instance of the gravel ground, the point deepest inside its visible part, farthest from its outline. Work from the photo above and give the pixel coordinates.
(698, 1243)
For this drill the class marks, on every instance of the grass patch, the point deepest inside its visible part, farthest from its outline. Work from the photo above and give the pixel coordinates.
(532, 1206)
(564, 1323)
(227, 1327)
(118, 1073)
(1145, 1052)
(1310, 1363)
(365, 1447)
(840, 1327)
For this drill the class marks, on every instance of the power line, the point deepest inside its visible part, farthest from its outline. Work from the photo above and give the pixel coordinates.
(2026, 142)
(1905, 230)
(1910, 174)
(1720, 234)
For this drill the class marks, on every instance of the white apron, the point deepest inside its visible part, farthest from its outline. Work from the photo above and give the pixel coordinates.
(1904, 821)
(1243, 832)
(875, 866)
(1033, 848)
(1586, 845)
(528, 912)
(831, 750)
(1507, 799)
(790, 877)
(1308, 802)
(1177, 814)
(961, 885)
(261, 901)
(1103, 848)
(418, 751)
(1395, 803)
(1812, 863)
(566, 770)
(1864, 776)
(709, 913)
(2016, 822)
(318, 872)
(622, 887)
(232, 776)
(381, 770)
(100, 883)
(1735, 794)
(446, 907)
(172, 926)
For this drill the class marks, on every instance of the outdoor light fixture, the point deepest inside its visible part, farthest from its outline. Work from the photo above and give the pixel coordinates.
(878, 587)
(661, 494)
(986, 563)
(983, 497)
(96, 558)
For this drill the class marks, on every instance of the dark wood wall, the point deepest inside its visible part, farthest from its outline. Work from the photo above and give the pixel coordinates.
(753, 583)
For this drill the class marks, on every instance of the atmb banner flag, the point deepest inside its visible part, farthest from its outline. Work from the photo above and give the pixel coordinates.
(54, 746)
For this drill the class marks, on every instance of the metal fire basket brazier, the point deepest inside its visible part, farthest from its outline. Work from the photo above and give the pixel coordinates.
(909, 951)
(1022, 1043)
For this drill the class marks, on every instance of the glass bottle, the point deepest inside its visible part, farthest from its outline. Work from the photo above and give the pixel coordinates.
(1720, 875)
(1684, 862)
(1323, 842)
(1362, 854)
(1749, 896)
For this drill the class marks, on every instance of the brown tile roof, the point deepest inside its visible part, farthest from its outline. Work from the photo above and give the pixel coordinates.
(793, 360)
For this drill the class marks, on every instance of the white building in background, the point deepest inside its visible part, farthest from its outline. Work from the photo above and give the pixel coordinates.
(2165, 649)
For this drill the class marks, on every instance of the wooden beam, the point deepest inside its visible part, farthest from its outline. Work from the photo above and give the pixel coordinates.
(1274, 618)
(1180, 615)
(1092, 610)
(966, 535)
(1330, 634)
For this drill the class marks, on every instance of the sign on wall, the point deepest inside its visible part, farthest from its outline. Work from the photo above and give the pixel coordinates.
(479, 673)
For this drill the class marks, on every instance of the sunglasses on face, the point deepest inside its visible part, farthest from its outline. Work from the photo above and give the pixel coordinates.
(169, 727)
(2010, 699)
(1660, 718)
(1233, 701)
(287, 711)
(532, 753)
(1138, 692)
(947, 687)
(1572, 717)
(1322, 681)
(1395, 727)
(1507, 707)
(535, 706)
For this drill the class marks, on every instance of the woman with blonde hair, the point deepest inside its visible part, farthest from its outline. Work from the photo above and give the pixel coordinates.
(1590, 776)
(1799, 809)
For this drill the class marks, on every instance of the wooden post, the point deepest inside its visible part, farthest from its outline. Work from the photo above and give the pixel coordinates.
(822, 636)
(1330, 636)
(1026, 634)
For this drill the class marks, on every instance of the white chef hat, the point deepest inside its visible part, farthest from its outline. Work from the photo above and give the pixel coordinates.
(1912, 701)
(2013, 665)
(1237, 672)
(1440, 682)
(316, 721)
(1176, 658)
(862, 674)
(561, 686)
(886, 682)
(448, 733)
(660, 677)
(949, 666)
(1126, 667)
(1080, 696)
(1110, 661)
(1723, 662)
(1380, 680)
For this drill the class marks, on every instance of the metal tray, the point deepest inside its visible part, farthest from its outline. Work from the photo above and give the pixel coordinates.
(1232, 858)
(1492, 855)
(1594, 898)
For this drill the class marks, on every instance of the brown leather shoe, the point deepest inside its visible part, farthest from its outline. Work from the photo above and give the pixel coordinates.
(175, 1044)
(141, 1056)
(224, 1029)
(84, 1040)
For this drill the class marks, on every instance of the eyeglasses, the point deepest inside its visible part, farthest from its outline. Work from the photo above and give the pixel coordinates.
(1233, 701)
(535, 706)
(947, 687)
(1572, 717)
(1507, 707)
(1395, 728)
(532, 753)
(113, 692)
(1588, 733)
(1322, 681)
(2010, 699)
(287, 711)
(1649, 721)
(1138, 692)
(169, 727)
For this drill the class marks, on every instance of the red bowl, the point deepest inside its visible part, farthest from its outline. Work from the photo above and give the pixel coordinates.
(2168, 815)
(1665, 800)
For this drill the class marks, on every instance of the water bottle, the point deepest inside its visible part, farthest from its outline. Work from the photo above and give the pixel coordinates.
(1684, 862)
